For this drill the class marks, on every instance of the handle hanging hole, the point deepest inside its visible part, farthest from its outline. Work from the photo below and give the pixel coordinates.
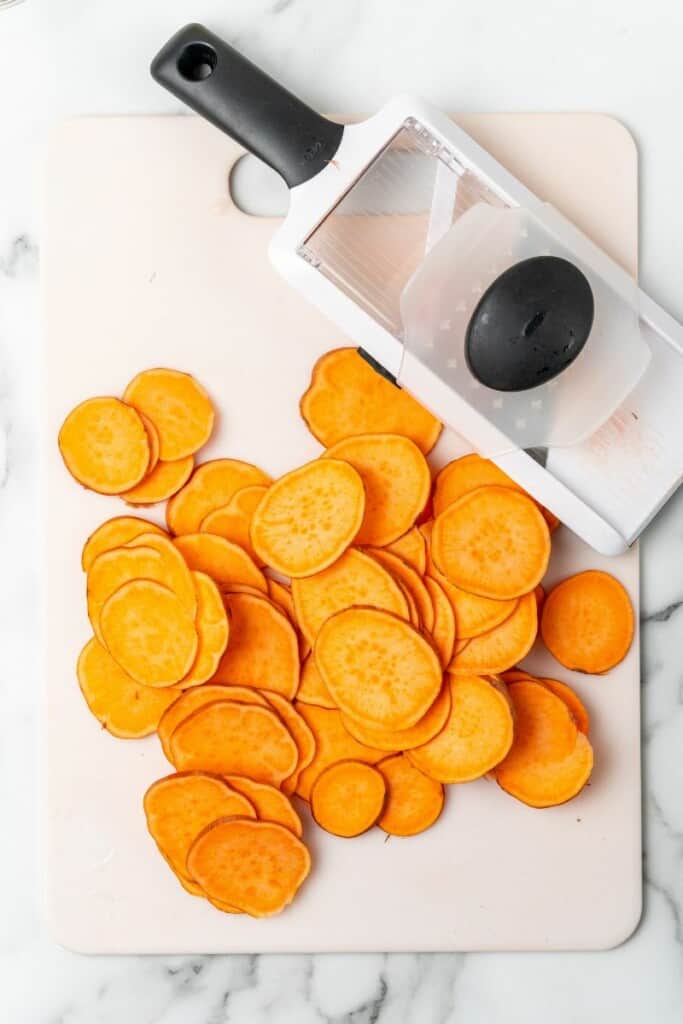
(197, 62)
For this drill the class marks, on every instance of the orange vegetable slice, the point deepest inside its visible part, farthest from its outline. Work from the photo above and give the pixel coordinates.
(153, 439)
(414, 801)
(539, 594)
(332, 743)
(354, 579)
(281, 595)
(511, 675)
(347, 397)
(256, 866)
(377, 667)
(191, 700)
(312, 689)
(179, 408)
(177, 576)
(299, 731)
(466, 474)
(493, 542)
(412, 548)
(263, 651)
(180, 806)
(444, 629)
(213, 631)
(550, 760)
(502, 647)
(573, 702)
(235, 739)
(412, 582)
(233, 520)
(587, 622)
(397, 482)
(347, 798)
(226, 563)
(309, 517)
(104, 445)
(114, 533)
(211, 486)
(429, 726)
(148, 631)
(161, 483)
(476, 737)
(271, 804)
(123, 707)
(112, 569)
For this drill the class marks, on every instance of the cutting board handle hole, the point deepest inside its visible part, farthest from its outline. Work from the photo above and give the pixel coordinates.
(256, 189)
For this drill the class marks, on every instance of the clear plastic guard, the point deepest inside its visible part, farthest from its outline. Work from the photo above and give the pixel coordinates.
(439, 300)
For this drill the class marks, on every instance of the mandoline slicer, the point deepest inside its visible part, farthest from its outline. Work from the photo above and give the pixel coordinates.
(465, 288)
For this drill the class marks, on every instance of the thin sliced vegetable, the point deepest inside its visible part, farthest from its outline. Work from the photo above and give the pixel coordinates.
(466, 474)
(309, 517)
(104, 445)
(270, 803)
(256, 866)
(429, 726)
(397, 482)
(501, 648)
(476, 737)
(347, 397)
(493, 542)
(179, 408)
(348, 798)
(211, 486)
(332, 743)
(153, 439)
(588, 622)
(226, 563)
(377, 667)
(281, 594)
(573, 702)
(412, 548)
(413, 801)
(312, 689)
(191, 700)
(213, 631)
(178, 577)
(161, 483)
(233, 520)
(123, 707)
(412, 582)
(444, 628)
(263, 651)
(112, 569)
(114, 533)
(299, 731)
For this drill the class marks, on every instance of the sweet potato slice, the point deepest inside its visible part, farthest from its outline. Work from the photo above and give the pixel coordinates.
(161, 483)
(191, 700)
(347, 397)
(233, 520)
(123, 707)
(348, 798)
(211, 486)
(397, 482)
(511, 675)
(354, 579)
(148, 631)
(104, 445)
(587, 622)
(493, 542)
(180, 806)
(312, 689)
(332, 743)
(270, 803)
(573, 702)
(466, 474)
(281, 594)
(213, 631)
(429, 726)
(179, 408)
(154, 442)
(443, 630)
(411, 580)
(115, 533)
(256, 866)
(412, 548)
(309, 517)
(263, 651)
(474, 615)
(226, 563)
(298, 730)
(235, 739)
(414, 801)
(377, 667)
(476, 737)
(178, 577)
(502, 647)
(112, 569)
(550, 760)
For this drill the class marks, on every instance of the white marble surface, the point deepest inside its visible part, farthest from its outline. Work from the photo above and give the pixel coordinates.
(62, 57)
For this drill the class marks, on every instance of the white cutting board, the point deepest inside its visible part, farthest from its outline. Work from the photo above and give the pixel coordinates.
(147, 262)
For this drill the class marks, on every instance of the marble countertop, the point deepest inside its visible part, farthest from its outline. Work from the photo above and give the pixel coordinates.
(64, 57)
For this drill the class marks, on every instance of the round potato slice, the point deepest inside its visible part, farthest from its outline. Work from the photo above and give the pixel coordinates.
(179, 579)
(312, 689)
(148, 631)
(412, 548)
(213, 631)
(161, 483)
(378, 668)
(179, 408)
(114, 533)
(347, 798)
(233, 520)
(464, 475)
(501, 648)
(414, 801)
(270, 803)
(264, 649)
(424, 730)
(332, 743)
(112, 569)
(256, 866)
(211, 486)
(354, 579)
(397, 482)
(226, 563)
(309, 517)
(411, 581)
(299, 731)
(123, 707)
(104, 445)
(191, 700)
(153, 438)
(444, 628)
(493, 542)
